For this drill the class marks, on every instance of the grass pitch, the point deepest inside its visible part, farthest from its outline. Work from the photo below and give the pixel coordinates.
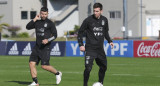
(14, 71)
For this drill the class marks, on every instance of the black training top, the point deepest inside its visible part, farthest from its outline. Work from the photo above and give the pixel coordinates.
(45, 29)
(95, 31)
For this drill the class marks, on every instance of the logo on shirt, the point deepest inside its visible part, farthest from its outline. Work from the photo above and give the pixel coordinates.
(14, 50)
(98, 31)
(103, 22)
(41, 29)
(87, 59)
(55, 50)
(45, 25)
(40, 32)
(27, 50)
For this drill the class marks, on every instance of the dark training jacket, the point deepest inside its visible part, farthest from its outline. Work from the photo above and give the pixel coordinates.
(45, 29)
(95, 31)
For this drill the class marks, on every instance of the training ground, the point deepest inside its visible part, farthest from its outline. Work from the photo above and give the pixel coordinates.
(14, 71)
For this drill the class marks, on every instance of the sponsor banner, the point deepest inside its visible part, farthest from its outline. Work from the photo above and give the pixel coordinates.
(121, 49)
(72, 49)
(3, 48)
(58, 48)
(19, 48)
(146, 48)
(25, 48)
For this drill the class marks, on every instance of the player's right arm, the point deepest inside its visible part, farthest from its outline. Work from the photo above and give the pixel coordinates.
(31, 24)
(80, 35)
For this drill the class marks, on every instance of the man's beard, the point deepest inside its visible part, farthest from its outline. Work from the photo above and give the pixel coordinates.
(43, 18)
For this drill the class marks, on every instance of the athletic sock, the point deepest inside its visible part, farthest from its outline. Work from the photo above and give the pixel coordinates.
(57, 73)
(35, 80)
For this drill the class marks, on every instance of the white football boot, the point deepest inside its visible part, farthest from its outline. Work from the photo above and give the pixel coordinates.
(34, 84)
(58, 78)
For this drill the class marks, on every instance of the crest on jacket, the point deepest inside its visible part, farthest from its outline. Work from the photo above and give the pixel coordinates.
(103, 22)
(45, 25)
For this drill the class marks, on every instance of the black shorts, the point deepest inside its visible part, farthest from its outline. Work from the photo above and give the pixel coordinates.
(99, 57)
(42, 54)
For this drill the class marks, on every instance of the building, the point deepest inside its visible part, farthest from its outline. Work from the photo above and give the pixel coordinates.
(19, 12)
(64, 13)
(142, 16)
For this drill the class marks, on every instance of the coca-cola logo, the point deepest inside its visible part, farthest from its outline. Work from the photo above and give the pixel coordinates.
(149, 50)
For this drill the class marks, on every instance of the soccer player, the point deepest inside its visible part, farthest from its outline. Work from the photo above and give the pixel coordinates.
(45, 33)
(96, 29)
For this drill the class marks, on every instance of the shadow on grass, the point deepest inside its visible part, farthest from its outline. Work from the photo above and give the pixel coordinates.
(27, 83)
(21, 82)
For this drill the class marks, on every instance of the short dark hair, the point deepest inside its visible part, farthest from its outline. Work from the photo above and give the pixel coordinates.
(98, 5)
(44, 9)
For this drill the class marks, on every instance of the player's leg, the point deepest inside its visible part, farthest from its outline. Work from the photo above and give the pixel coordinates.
(49, 68)
(33, 72)
(102, 63)
(32, 64)
(45, 57)
(89, 58)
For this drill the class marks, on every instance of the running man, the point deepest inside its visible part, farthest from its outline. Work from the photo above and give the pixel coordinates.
(45, 33)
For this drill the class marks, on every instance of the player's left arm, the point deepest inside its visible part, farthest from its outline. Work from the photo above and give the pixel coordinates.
(107, 34)
(53, 34)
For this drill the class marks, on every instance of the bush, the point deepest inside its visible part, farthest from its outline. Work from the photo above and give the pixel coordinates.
(76, 28)
(5, 36)
(71, 32)
(23, 35)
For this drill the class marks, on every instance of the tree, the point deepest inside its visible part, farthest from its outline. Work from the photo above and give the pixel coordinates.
(2, 26)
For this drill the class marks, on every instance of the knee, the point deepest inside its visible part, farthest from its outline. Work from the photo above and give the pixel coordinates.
(31, 64)
(104, 68)
(43, 66)
(88, 68)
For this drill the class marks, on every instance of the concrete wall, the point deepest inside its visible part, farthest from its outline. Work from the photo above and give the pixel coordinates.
(56, 7)
(151, 9)
(6, 11)
(24, 5)
(115, 25)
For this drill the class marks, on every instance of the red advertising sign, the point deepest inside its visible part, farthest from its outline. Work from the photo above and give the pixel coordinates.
(147, 49)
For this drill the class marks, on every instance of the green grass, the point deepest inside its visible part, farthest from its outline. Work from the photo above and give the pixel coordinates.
(14, 71)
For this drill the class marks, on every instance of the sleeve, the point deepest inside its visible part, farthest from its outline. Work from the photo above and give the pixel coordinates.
(106, 32)
(81, 32)
(53, 32)
(30, 25)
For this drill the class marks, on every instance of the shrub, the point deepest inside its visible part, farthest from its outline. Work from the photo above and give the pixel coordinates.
(5, 36)
(23, 35)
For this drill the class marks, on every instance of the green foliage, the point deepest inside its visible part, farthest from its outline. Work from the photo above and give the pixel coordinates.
(3, 25)
(5, 36)
(73, 32)
(23, 35)
(76, 28)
